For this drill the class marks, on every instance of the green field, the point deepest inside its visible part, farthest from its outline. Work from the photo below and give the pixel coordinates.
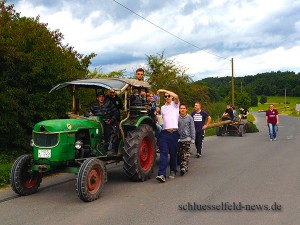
(284, 106)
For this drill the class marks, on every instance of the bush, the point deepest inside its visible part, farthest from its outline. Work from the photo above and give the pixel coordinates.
(251, 128)
(263, 99)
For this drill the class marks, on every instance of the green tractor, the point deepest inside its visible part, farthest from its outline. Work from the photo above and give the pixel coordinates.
(76, 145)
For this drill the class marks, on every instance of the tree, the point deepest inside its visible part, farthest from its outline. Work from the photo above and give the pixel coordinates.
(33, 60)
(296, 91)
(243, 100)
(97, 73)
(254, 99)
(263, 99)
(170, 75)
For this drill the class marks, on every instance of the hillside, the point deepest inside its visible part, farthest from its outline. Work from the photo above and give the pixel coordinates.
(269, 84)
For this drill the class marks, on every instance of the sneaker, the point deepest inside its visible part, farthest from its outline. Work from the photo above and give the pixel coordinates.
(271, 139)
(198, 155)
(274, 139)
(182, 171)
(161, 178)
(172, 175)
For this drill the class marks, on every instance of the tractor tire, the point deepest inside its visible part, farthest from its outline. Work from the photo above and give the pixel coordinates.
(90, 179)
(219, 131)
(139, 153)
(22, 181)
(241, 130)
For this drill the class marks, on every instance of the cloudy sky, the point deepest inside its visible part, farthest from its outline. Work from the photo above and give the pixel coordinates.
(201, 35)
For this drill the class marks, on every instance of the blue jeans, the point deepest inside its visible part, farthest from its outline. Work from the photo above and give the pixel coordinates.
(167, 145)
(158, 130)
(272, 130)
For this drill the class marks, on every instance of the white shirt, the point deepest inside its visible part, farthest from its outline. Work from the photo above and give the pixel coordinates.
(170, 114)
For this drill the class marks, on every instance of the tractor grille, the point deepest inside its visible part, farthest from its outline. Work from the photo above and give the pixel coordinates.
(45, 140)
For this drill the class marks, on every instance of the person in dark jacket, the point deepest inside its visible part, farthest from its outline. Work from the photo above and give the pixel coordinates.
(107, 111)
(228, 114)
(114, 98)
(201, 121)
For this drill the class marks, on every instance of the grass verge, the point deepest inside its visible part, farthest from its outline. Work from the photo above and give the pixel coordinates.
(283, 105)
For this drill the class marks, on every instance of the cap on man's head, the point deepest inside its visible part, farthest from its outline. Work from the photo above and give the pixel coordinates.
(100, 93)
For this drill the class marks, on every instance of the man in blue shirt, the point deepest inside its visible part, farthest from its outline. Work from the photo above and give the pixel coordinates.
(201, 121)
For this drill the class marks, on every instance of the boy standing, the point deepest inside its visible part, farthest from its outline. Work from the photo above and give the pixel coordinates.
(186, 130)
(201, 121)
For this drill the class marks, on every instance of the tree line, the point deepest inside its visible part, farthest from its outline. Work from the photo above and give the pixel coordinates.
(268, 84)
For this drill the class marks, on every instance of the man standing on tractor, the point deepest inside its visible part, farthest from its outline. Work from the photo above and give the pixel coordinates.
(168, 137)
(139, 75)
(108, 112)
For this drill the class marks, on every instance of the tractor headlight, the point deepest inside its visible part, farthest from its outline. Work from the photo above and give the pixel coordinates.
(31, 143)
(78, 144)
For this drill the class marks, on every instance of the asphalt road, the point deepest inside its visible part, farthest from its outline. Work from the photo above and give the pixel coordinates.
(246, 173)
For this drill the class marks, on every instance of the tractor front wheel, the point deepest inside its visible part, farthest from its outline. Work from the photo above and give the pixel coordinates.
(22, 180)
(90, 179)
(139, 153)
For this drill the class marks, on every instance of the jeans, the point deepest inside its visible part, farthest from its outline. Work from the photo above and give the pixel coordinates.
(167, 145)
(158, 130)
(272, 130)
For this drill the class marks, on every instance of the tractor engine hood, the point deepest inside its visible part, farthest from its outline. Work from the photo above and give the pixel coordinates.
(64, 125)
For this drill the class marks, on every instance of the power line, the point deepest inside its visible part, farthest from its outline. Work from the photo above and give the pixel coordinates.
(189, 43)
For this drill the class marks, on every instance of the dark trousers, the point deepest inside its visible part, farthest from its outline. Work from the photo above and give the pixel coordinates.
(110, 132)
(167, 145)
(199, 141)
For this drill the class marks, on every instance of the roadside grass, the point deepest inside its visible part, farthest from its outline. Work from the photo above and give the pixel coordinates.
(6, 161)
(283, 107)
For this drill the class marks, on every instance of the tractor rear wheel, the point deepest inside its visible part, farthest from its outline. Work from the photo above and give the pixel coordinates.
(90, 179)
(139, 153)
(22, 180)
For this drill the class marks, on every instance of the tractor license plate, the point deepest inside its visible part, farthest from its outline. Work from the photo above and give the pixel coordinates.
(44, 153)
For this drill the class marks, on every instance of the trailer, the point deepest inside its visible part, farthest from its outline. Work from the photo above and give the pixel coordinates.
(229, 127)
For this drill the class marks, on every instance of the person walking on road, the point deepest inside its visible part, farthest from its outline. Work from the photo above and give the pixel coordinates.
(186, 130)
(201, 121)
(168, 138)
(272, 121)
(243, 115)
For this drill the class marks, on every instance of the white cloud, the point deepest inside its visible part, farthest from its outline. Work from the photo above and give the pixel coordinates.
(261, 36)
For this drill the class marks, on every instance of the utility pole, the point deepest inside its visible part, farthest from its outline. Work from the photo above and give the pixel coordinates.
(284, 98)
(232, 82)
